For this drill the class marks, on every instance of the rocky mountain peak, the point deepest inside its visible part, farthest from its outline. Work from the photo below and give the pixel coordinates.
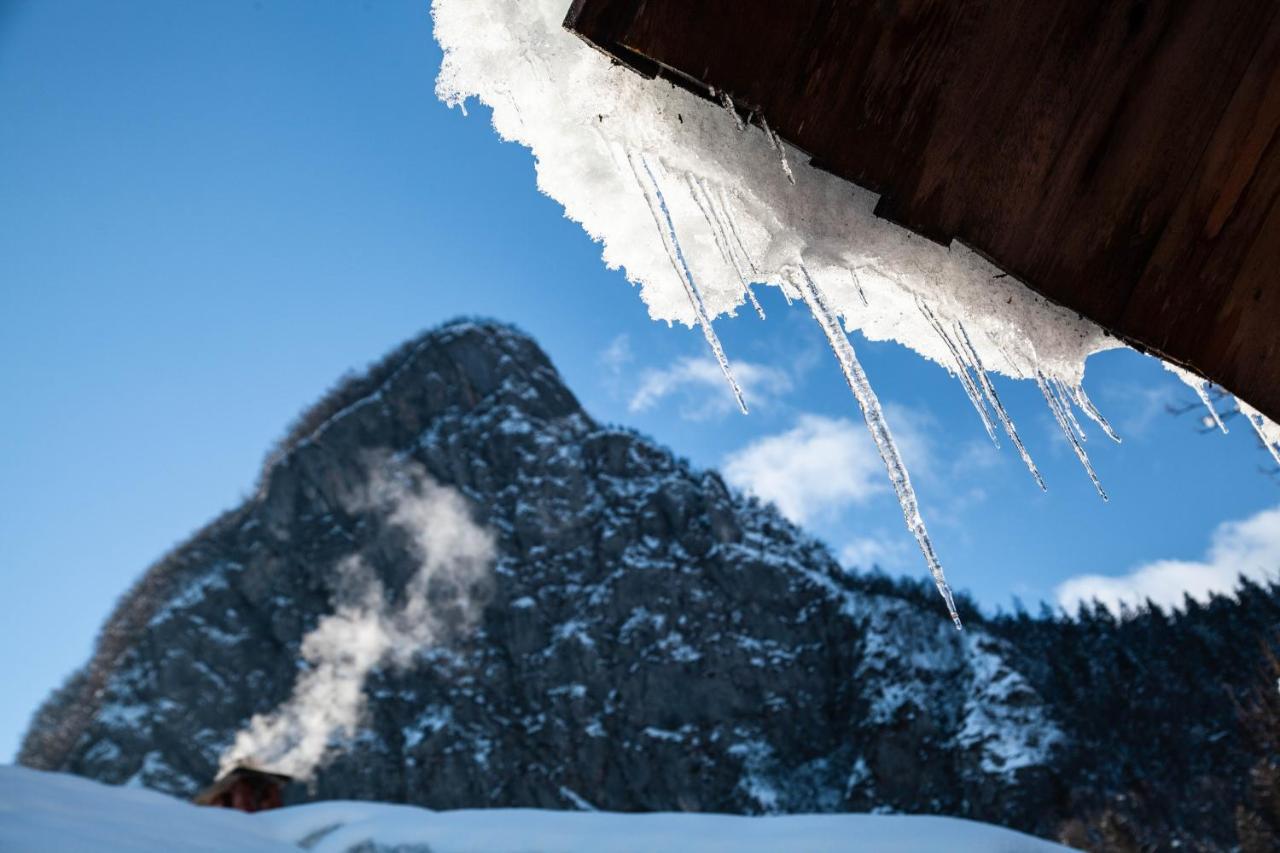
(624, 632)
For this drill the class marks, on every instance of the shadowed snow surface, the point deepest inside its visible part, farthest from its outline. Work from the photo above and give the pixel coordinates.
(55, 813)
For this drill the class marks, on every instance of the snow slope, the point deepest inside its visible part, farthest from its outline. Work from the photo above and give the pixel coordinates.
(55, 813)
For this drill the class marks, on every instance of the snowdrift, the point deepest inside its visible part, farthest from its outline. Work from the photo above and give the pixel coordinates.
(56, 813)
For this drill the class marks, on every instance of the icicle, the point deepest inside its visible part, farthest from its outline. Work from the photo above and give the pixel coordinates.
(1056, 407)
(989, 389)
(857, 283)
(776, 144)
(1015, 366)
(962, 371)
(733, 111)
(879, 429)
(698, 189)
(725, 225)
(1086, 406)
(768, 133)
(660, 212)
(1061, 390)
(727, 210)
(1267, 431)
(1208, 404)
(1200, 388)
(729, 220)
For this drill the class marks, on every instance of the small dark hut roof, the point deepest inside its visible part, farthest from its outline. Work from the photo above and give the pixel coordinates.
(251, 775)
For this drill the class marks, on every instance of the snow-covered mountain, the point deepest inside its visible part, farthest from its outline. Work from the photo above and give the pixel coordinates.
(639, 638)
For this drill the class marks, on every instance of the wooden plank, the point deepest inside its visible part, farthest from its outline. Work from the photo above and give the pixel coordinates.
(1119, 156)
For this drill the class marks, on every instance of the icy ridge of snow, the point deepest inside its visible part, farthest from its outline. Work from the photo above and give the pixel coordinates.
(585, 117)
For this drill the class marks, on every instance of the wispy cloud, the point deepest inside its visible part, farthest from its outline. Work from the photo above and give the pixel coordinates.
(865, 552)
(814, 469)
(617, 355)
(1140, 407)
(1249, 547)
(700, 390)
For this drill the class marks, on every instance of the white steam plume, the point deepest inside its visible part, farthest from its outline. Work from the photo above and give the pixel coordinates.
(454, 557)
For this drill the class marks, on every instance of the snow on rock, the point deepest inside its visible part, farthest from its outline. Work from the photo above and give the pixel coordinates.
(1004, 718)
(912, 665)
(55, 813)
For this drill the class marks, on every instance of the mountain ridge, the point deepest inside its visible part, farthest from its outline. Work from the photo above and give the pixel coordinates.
(649, 639)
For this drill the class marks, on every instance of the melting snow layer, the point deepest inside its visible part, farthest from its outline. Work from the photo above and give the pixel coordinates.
(696, 201)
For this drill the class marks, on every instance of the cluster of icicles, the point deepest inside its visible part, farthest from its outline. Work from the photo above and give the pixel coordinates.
(1062, 399)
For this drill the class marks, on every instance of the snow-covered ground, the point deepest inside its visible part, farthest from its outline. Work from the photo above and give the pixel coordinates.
(56, 813)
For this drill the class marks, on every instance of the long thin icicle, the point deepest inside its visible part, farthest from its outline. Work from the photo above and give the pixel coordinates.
(733, 111)
(719, 206)
(1055, 406)
(775, 142)
(989, 389)
(1213, 410)
(879, 429)
(857, 282)
(661, 214)
(962, 371)
(1203, 394)
(1268, 433)
(1086, 406)
(727, 210)
(1200, 386)
(1060, 387)
(698, 189)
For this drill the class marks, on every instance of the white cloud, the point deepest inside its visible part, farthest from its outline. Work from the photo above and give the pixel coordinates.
(1250, 547)
(1140, 407)
(866, 551)
(702, 390)
(823, 465)
(617, 354)
(816, 468)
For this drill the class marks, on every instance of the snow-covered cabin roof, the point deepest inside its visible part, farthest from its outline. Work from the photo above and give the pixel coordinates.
(1124, 164)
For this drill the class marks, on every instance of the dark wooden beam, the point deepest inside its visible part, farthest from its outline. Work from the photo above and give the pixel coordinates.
(1121, 157)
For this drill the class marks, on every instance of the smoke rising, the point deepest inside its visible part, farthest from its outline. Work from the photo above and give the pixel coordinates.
(368, 628)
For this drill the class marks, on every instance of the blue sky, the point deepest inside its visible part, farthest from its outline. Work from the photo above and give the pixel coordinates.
(209, 211)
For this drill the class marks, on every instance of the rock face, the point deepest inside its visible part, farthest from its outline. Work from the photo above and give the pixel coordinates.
(647, 639)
